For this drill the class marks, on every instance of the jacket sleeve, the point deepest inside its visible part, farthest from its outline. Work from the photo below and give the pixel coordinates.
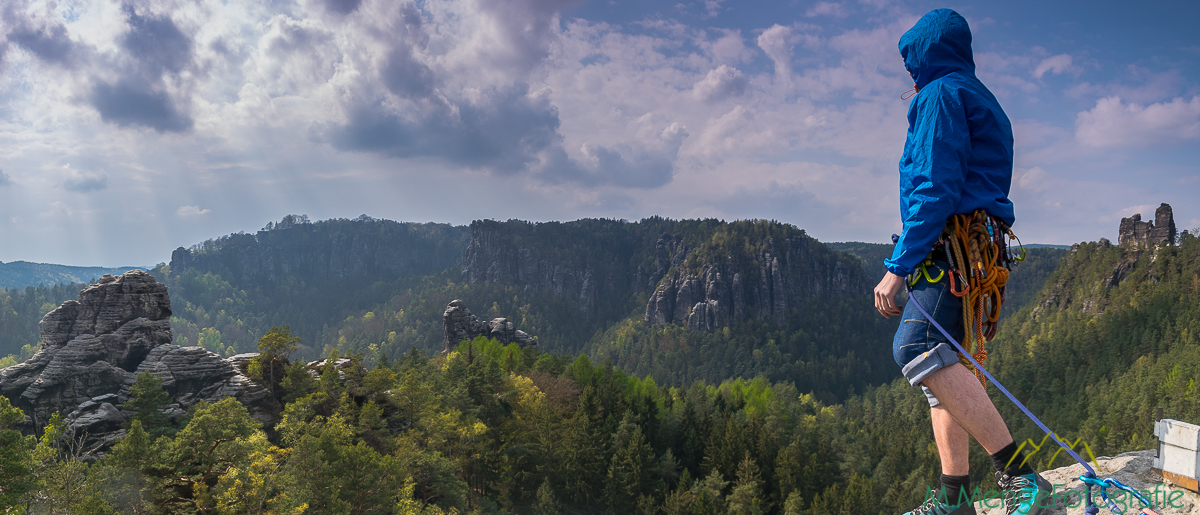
(932, 171)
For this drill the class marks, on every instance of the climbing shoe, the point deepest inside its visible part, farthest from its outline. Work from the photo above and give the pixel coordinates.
(933, 506)
(1027, 494)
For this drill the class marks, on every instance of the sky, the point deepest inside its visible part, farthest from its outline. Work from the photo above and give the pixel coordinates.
(128, 129)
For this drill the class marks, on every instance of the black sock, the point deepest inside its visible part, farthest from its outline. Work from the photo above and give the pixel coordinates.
(1010, 461)
(956, 489)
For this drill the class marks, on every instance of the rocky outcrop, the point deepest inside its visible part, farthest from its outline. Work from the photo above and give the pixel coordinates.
(92, 350)
(1135, 232)
(766, 286)
(1131, 468)
(461, 324)
(191, 374)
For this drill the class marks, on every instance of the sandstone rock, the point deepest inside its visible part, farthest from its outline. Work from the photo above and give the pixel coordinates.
(1131, 468)
(1134, 232)
(461, 324)
(782, 277)
(104, 307)
(191, 374)
(94, 347)
(90, 347)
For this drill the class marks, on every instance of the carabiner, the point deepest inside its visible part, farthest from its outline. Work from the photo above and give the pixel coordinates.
(961, 280)
(925, 270)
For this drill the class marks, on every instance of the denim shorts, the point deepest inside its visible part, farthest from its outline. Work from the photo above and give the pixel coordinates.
(919, 348)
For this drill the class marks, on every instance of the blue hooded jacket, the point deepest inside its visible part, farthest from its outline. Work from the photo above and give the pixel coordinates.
(959, 153)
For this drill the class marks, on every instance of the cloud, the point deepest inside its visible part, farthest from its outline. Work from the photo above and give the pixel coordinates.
(501, 130)
(191, 211)
(83, 182)
(5, 180)
(774, 42)
(832, 9)
(1057, 64)
(721, 82)
(47, 40)
(647, 162)
(342, 6)
(1113, 123)
(131, 104)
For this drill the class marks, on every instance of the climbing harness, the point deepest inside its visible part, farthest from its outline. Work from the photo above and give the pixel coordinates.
(1089, 478)
(980, 261)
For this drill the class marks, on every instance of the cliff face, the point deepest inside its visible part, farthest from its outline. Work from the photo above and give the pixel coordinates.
(562, 260)
(735, 285)
(94, 347)
(328, 250)
(704, 274)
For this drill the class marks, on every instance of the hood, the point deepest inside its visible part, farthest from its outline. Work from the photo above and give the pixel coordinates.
(939, 44)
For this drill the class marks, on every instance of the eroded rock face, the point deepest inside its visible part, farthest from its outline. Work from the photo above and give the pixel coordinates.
(90, 347)
(461, 325)
(92, 350)
(780, 278)
(1135, 232)
(191, 374)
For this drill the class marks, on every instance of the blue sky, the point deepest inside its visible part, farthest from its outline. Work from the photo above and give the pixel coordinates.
(128, 129)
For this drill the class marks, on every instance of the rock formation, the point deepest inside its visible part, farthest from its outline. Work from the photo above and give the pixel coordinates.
(92, 350)
(780, 277)
(461, 325)
(1135, 232)
(1131, 468)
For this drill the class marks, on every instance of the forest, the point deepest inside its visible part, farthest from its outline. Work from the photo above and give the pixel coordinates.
(490, 428)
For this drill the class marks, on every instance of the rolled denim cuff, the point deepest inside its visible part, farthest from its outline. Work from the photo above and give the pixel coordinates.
(943, 355)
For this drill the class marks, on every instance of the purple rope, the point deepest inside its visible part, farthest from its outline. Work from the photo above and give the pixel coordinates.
(1091, 508)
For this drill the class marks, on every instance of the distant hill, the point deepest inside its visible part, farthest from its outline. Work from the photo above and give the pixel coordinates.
(751, 297)
(19, 274)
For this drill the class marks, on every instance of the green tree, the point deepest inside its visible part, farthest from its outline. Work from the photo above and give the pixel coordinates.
(631, 472)
(274, 349)
(794, 505)
(62, 480)
(219, 438)
(146, 396)
(16, 458)
(546, 503)
(124, 470)
(747, 495)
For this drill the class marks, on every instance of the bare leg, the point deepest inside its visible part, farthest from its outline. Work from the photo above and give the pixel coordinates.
(960, 393)
(951, 442)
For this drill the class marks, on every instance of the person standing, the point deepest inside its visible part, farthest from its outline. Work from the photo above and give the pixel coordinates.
(958, 158)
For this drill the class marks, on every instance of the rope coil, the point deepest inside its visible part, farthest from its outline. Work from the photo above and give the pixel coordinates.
(975, 245)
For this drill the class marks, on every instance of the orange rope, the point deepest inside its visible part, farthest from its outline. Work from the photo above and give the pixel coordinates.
(969, 238)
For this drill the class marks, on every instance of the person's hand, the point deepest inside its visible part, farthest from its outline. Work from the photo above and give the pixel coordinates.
(885, 295)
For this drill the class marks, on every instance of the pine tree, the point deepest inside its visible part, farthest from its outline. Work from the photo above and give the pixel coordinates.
(146, 396)
(546, 503)
(16, 459)
(747, 496)
(631, 471)
(274, 349)
(794, 505)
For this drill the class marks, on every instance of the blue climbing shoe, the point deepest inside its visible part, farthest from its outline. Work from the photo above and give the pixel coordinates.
(1027, 494)
(933, 506)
